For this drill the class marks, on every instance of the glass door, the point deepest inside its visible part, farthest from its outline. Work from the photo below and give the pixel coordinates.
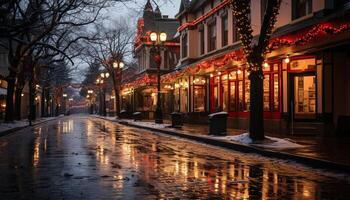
(304, 96)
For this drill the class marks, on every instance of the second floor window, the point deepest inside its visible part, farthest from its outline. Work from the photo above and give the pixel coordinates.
(202, 41)
(235, 31)
(211, 37)
(184, 46)
(301, 8)
(224, 30)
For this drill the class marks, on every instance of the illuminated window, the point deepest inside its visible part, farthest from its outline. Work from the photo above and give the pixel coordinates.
(266, 92)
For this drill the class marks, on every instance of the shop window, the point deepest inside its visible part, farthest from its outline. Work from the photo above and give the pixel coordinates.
(301, 8)
(176, 97)
(276, 104)
(267, 92)
(240, 96)
(247, 91)
(184, 96)
(198, 94)
(224, 83)
(211, 37)
(233, 100)
(199, 98)
(224, 30)
(303, 64)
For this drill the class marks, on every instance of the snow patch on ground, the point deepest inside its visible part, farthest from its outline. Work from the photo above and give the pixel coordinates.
(149, 124)
(20, 124)
(273, 142)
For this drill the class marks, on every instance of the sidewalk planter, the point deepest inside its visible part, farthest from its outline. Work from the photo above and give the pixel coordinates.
(218, 124)
(176, 119)
(137, 116)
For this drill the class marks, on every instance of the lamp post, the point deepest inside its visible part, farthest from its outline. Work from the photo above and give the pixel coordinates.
(118, 66)
(89, 96)
(158, 40)
(101, 83)
(64, 103)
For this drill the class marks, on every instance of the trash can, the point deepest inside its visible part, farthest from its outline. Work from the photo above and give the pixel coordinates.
(123, 114)
(137, 116)
(218, 124)
(176, 119)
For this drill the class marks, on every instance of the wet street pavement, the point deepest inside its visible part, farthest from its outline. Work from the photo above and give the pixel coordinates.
(84, 158)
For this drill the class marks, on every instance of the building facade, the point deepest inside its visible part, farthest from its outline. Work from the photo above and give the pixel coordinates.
(139, 92)
(305, 74)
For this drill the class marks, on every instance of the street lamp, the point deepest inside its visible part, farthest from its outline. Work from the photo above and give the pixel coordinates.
(118, 66)
(158, 40)
(100, 82)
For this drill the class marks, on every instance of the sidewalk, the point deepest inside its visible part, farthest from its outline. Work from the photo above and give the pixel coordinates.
(320, 152)
(7, 128)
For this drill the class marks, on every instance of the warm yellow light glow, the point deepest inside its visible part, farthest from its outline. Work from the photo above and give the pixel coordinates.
(22, 94)
(239, 71)
(115, 65)
(107, 74)
(162, 36)
(102, 75)
(153, 36)
(287, 60)
(121, 65)
(65, 95)
(266, 65)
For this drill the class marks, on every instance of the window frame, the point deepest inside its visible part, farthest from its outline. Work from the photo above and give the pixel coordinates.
(295, 9)
(212, 37)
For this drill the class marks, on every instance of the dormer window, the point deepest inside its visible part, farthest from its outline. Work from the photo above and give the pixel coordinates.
(301, 8)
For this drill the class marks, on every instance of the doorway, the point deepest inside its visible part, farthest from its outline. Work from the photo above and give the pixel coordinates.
(303, 96)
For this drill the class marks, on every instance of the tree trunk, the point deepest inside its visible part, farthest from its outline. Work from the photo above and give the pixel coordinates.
(9, 98)
(117, 100)
(43, 114)
(18, 102)
(32, 114)
(256, 124)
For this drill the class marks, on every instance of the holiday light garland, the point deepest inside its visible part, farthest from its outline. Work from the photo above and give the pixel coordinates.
(311, 34)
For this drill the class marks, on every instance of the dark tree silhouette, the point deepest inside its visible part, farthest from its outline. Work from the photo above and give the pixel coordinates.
(255, 52)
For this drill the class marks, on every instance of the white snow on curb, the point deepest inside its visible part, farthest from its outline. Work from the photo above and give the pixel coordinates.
(277, 143)
(21, 124)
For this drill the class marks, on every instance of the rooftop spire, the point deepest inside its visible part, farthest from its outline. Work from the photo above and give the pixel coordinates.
(148, 6)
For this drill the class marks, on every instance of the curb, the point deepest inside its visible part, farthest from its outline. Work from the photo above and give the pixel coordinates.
(12, 130)
(309, 161)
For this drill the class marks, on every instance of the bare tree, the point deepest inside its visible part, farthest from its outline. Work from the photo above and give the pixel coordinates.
(25, 24)
(112, 45)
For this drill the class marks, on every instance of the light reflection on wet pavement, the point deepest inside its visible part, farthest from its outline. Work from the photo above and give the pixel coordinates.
(85, 158)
